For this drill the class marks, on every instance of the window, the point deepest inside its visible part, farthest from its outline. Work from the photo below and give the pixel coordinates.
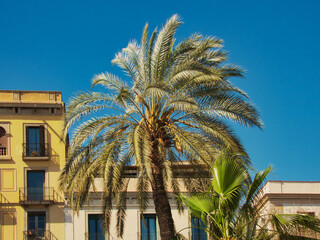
(36, 225)
(198, 232)
(4, 141)
(35, 143)
(35, 185)
(130, 172)
(148, 227)
(95, 227)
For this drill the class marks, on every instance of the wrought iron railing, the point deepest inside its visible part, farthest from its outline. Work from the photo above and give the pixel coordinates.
(93, 236)
(3, 200)
(40, 235)
(145, 236)
(35, 150)
(3, 151)
(39, 195)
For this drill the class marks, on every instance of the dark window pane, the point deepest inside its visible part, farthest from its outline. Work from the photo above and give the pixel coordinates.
(95, 227)
(198, 232)
(36, 225)
(35, 185)
(148, 227)
(35, 141)
(3, 142)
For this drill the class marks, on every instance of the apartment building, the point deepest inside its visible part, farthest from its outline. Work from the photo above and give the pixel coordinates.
(32, 154)
(86, 224)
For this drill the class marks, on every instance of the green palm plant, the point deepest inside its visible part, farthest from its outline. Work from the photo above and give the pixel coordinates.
(230, 207)
(294, 226)
(173, 108)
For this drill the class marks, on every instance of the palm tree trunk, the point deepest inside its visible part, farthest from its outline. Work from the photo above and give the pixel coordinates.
(160, 199)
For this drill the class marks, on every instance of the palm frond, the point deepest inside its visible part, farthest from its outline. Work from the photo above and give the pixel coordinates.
(162, 48)
(109, 81)
(288, 225)
(121, 197)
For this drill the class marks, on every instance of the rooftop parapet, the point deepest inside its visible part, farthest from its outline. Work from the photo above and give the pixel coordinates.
(292, 187)
(16, 96)
(290, 192)
(15, 102)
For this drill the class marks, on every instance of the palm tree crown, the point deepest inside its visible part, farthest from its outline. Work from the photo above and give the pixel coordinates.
(172, 109)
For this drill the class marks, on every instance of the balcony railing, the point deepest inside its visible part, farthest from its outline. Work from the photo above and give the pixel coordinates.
(145, 236)
(31, 196)
(3, 151)
(35, 150)
(41, 235)
(3, 200)
(94, 236)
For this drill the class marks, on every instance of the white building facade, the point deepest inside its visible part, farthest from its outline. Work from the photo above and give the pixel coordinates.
(292, 197)
(86, 224)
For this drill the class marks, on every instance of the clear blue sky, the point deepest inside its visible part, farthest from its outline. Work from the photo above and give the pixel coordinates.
(60, 45)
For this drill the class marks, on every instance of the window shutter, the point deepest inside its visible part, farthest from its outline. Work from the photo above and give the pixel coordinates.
(42, 141)
(27, 143)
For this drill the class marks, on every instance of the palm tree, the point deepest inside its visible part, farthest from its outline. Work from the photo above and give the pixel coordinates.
(171, 110)
(230, 207)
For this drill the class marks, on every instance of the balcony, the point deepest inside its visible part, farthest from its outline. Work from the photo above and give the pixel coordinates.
(45, 235)
(3, 200)
(3, 151)
(39, 196)
(36, 151)
(89, 236)
(148, 235)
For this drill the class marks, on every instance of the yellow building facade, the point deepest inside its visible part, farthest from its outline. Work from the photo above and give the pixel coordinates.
(32, 154)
